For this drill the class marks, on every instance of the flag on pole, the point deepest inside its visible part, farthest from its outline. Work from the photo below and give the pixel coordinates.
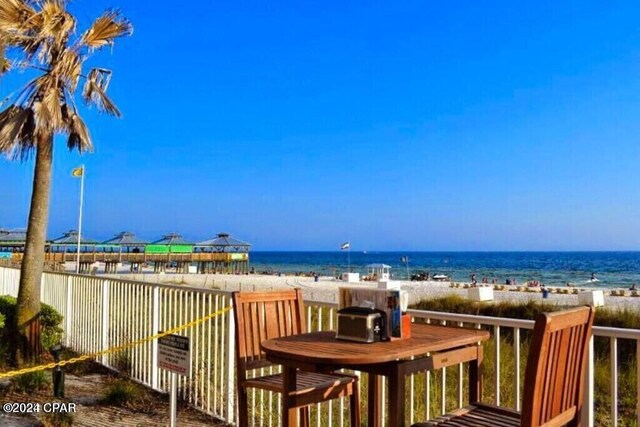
(345, 245)
(78, 172)
(404, 259)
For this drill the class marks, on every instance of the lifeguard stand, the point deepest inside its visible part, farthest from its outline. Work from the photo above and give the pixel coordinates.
(378, 271)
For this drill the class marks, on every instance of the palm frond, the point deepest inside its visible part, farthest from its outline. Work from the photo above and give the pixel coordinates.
(68, 68)
(106, 29)
(15, 15)
(17, 132)
(79, 138)
(4, 63)
(57, 24)
(52, 99)
(94, 92)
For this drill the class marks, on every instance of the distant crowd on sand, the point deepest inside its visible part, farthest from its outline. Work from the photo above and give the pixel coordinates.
(531, 283)
(288, 273)
(494, 281)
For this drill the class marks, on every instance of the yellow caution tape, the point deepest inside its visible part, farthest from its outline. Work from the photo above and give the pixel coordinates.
(113, 349)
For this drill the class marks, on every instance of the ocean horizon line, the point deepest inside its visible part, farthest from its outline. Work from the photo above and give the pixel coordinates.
(372, 251)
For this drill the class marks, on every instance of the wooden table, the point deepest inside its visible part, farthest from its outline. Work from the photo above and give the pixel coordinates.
(321, 352)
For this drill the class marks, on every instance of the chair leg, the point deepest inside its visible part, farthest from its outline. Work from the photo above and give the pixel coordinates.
(354, 407)
(243, 408)
(304, 416)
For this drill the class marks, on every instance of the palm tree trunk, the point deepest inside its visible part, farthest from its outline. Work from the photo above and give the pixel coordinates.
(27, 319)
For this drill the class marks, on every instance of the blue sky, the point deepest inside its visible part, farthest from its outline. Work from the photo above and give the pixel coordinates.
(395, 125)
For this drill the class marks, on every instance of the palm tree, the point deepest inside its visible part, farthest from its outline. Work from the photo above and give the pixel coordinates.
(41, 36)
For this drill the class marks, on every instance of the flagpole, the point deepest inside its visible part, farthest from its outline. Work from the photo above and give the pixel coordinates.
(80, 219)
(349, 258)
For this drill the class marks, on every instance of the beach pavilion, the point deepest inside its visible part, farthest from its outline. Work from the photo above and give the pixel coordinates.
(172, 239)
(11, 241)
(171, 248)
(68, 243)
(230, 255)
(128, 243)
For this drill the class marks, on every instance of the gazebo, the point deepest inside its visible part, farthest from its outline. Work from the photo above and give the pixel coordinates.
(175, 248)
(69, 240)
(233, 255)
(12, 240)
(172, 239)
(68, 243)
(223, 242)
(129, 243)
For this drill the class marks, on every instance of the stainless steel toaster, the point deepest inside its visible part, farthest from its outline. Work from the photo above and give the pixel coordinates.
(362, 324)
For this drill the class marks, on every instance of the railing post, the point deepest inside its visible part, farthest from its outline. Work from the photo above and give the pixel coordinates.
(154, 344)
(231, 374)
(68, 321)
(104, 344)
(587, 403)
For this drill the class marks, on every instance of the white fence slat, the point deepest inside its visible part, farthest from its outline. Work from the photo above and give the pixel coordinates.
(133, 310)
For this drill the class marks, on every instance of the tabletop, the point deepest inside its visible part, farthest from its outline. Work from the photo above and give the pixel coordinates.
(324, 348)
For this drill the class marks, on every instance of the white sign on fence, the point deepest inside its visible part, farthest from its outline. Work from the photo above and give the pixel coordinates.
(174, 354)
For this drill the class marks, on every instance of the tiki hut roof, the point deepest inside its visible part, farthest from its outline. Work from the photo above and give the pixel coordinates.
(171, 239)
(13, 236)
(224, 243)
(126, 238)
(71, 238)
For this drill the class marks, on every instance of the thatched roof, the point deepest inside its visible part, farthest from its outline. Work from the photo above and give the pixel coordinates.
(171, 239)
(224, 243)
(126, 238)
(71, 238)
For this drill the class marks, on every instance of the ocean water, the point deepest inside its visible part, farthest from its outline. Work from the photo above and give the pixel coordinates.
(612, 269)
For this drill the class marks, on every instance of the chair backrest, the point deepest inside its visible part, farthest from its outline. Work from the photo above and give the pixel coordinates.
(260, 316)
(554, 379)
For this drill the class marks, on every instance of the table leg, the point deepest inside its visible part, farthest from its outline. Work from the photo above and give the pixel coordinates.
(289, 411)
(475, 377)
(396, 397)
(374, 400)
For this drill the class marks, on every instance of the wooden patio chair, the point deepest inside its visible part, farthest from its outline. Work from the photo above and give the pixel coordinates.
(264, 315)
(554, 379)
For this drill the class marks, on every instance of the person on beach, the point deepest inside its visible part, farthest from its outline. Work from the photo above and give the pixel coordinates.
(593, 277)
(473, 279)
(633, 287)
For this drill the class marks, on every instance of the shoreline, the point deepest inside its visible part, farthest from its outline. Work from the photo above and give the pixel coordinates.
(325, 289)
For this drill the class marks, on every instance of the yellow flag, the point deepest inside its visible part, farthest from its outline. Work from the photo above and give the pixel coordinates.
(77, 172)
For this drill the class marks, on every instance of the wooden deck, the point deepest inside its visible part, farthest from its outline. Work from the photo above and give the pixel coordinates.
(140, 257)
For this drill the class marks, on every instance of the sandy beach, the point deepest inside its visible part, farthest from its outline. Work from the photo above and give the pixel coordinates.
(325, 289)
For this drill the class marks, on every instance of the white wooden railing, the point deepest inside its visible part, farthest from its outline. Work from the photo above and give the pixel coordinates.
(101, 313)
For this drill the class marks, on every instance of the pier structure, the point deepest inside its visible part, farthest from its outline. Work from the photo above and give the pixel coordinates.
(221, 254)
(170, 244)
(127, 243)
(68, 243)
(12, 241)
